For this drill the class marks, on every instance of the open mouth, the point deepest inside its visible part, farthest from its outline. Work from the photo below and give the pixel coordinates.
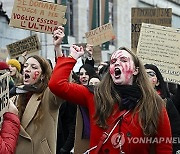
(117, 72)
(84, 80)
(26, 76)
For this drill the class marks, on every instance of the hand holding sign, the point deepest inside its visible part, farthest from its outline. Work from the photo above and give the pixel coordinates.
(58, 36)
(89, 49)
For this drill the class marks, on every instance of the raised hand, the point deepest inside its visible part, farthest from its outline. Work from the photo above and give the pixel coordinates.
(76, 51)
(89, 49)
(58, 36)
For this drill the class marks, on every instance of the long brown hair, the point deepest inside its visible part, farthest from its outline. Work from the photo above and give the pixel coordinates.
(41, 85)
(149, 107)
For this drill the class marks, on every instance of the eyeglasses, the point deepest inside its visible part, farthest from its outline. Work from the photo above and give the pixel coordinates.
(151, 74)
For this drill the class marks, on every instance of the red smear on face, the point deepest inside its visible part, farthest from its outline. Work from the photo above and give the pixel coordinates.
(116, 55)
(121, 60)
(36, 74)
(127, 70)
(111, 70)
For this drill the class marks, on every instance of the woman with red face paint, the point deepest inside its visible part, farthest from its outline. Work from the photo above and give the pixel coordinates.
(126, 114)
(38, 109)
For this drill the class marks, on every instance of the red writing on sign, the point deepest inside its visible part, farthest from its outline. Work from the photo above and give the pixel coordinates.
(37, 26)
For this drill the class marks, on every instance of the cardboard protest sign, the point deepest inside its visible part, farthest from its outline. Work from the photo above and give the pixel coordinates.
(37, 15)
(3, 54)
(160, 46)
(100, 35)
(4, 92)
(30, 44)
(157, 16)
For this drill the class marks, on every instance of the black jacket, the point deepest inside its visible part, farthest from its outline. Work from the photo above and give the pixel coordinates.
(176, 99)
(174, 119)
(66, 128)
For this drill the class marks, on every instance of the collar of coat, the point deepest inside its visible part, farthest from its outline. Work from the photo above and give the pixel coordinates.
(29, 113)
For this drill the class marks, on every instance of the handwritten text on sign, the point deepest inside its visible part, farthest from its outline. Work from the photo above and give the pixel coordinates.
(159, 45)
(157, 16)
(4, 92)
(30, 44)
(37, 15)
(100, 35)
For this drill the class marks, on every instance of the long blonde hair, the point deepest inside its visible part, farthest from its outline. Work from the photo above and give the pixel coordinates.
(149, 107)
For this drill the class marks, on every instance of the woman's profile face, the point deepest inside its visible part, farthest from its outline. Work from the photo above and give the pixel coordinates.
(83, 77)
(152, 77)
(122, 67)
(32, 71)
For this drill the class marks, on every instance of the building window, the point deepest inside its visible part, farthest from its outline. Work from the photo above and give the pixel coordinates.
(70, 17)
(111, 11)
(65, 50)
(111, 17)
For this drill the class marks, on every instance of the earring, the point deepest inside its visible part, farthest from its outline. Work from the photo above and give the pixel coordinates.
(157, 84)
(41, 79)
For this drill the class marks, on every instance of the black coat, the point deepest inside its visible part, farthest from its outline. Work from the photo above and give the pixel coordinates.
(174, 119)
(176, 98)
(66, 128)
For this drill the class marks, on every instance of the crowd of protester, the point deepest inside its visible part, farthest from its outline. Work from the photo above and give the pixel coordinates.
(98, 109)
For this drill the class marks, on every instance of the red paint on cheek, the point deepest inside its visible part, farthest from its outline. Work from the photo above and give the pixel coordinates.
(111, 70)
(36, 74)
(127, 71)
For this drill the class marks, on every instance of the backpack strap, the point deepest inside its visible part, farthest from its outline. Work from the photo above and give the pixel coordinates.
(105, 136)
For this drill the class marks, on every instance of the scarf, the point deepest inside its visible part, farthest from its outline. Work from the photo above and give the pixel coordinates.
(16, 90)
(130, 94)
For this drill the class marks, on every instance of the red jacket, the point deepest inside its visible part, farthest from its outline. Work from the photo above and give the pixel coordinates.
(9, 133)
(133, 137)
